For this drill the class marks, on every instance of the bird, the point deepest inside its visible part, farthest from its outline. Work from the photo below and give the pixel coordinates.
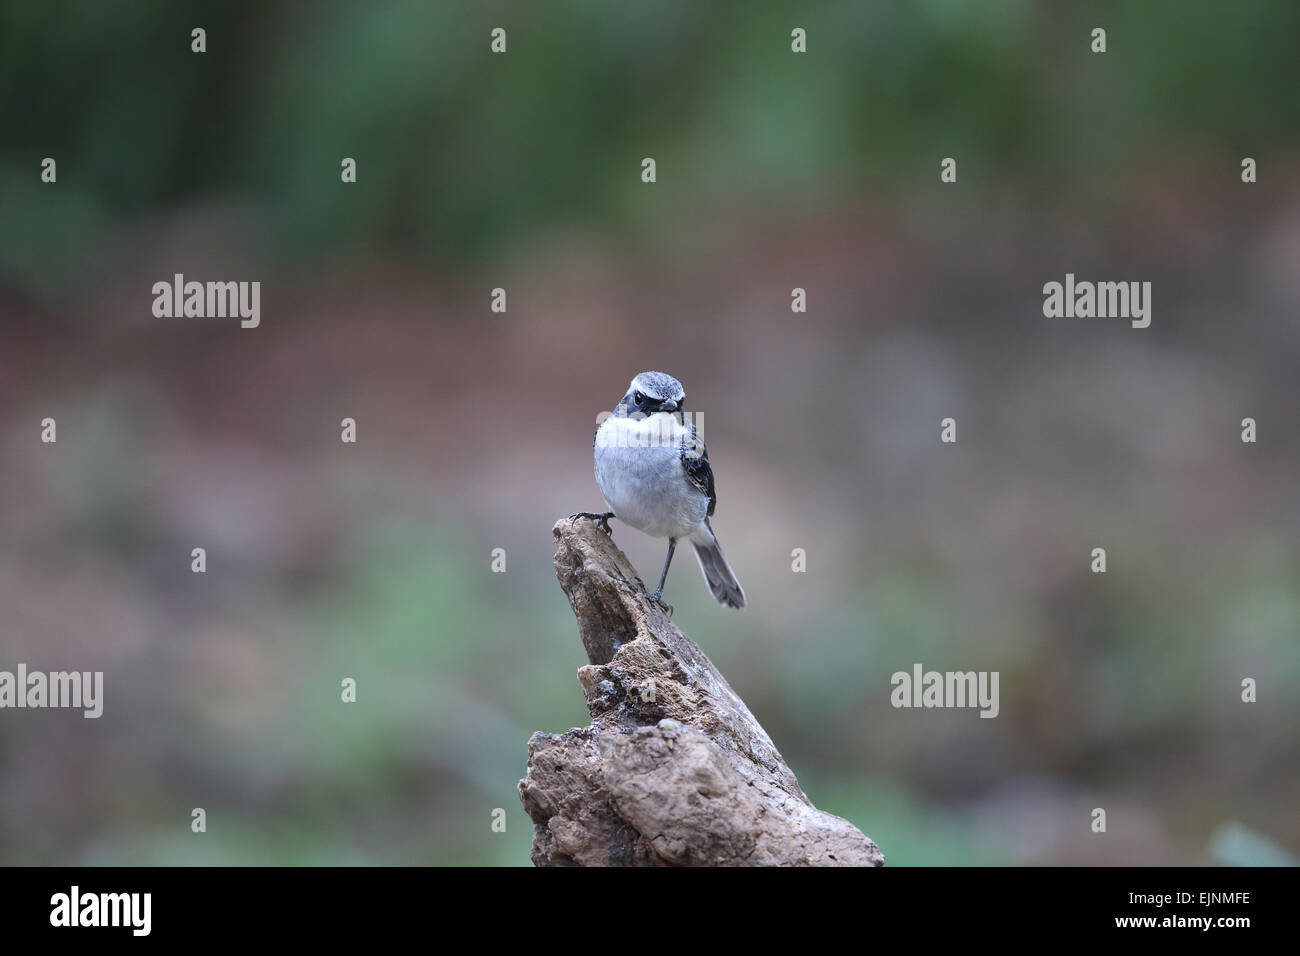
(654, 474)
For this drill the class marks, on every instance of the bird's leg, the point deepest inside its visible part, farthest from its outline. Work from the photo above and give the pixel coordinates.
(603, 519)
(672, 546)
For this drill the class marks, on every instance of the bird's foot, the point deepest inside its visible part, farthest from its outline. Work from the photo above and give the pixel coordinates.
(601, 519)
(656, 599)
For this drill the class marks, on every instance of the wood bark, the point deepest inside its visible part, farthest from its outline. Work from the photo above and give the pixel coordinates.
(673, 769)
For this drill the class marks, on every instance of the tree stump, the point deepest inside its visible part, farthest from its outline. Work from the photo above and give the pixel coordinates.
(673, 769)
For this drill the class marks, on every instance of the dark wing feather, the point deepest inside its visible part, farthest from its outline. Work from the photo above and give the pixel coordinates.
(698, 470)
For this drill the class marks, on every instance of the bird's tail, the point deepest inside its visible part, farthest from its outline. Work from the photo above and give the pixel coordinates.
(717, 572)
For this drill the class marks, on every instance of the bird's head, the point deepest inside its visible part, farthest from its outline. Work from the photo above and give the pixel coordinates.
(652, 392)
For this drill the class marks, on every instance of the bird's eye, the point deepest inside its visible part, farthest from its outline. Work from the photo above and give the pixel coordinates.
(638, 398)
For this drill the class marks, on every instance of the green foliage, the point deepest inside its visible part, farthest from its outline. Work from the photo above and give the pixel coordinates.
(463, 154)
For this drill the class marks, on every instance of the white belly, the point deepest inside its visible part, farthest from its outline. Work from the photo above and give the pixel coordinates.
(639, 470)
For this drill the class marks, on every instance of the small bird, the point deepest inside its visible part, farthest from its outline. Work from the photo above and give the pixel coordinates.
(654, 475)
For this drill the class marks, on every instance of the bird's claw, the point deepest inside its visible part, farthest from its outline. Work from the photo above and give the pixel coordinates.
(601, 519)
(656, 599)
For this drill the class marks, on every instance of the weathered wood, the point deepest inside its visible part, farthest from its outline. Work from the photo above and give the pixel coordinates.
(673, 769)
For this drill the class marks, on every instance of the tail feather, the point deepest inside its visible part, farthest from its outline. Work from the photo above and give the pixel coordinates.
(717, 572)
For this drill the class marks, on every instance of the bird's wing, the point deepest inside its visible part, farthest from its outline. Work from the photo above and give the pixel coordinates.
(695, 462)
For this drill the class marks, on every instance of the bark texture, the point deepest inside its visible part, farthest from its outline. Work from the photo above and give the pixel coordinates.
(673, 769)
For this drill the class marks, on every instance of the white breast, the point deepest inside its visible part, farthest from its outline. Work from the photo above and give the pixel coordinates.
(639, 470)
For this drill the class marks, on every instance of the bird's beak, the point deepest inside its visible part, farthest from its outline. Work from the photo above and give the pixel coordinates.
(668, 406)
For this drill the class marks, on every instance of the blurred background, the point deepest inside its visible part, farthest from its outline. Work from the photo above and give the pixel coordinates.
(523, 171)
